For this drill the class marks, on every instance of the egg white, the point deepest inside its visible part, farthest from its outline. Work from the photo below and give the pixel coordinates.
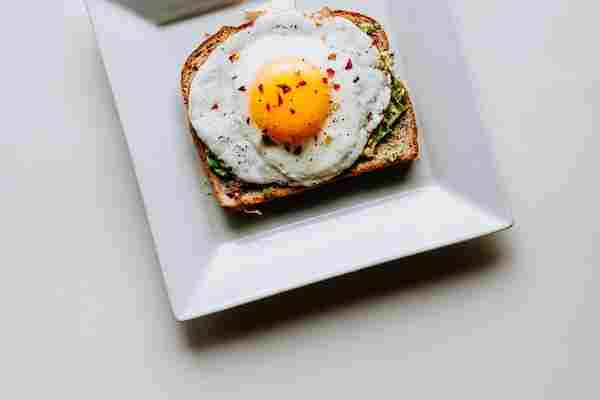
(359, 109)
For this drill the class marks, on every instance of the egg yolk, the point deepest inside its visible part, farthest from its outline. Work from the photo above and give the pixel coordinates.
(289, 100)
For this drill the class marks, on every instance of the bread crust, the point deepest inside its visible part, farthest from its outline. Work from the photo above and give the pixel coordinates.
(399, 147)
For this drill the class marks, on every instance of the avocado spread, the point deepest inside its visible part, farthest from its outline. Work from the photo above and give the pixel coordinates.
(398, 105)
(217, 166)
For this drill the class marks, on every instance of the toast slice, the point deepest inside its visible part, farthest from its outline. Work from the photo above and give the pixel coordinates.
(399, 146)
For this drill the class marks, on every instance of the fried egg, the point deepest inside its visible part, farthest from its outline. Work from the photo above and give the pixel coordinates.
(290, 100)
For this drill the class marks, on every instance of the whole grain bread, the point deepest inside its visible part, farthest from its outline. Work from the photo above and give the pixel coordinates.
(398, 147)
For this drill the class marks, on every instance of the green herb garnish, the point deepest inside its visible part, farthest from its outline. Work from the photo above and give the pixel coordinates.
(369, 27)
(391, 115)
(268, 192)
(386, 61)
(217, 166)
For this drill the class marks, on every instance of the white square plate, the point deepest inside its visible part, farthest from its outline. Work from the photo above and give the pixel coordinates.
(212, 260)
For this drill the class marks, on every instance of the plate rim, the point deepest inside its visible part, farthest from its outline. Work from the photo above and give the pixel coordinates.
(186, 307)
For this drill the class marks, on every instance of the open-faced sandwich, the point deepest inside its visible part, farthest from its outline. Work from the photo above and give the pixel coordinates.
(289, 101)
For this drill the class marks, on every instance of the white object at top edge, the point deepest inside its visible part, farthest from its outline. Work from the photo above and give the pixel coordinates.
(283, 5)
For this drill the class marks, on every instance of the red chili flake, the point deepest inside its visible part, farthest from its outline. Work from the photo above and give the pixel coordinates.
(349, 64)
(215, 107)
(337, 86)
(301, 83)
(330, 73)
(261, 88)
(332, 56)
(325, 81)
(285, 88)
(292, 111)
(242, 88)
(279, 100)
(233, 57)
(268, 107)
(265, 131)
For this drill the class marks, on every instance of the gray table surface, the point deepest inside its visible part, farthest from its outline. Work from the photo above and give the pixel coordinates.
(516, 315)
